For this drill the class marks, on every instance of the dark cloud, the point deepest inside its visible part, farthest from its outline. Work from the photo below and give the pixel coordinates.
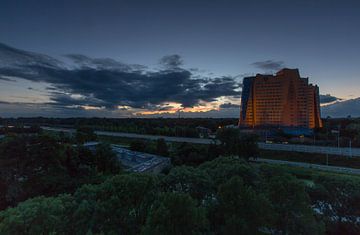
(7, 79)
(103, 63)
(13, 57)
(109, 83)
(269, 65)
(229, 106)
(328, 99)
(171, 61)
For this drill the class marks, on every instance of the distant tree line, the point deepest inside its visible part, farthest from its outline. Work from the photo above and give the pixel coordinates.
(182, 127)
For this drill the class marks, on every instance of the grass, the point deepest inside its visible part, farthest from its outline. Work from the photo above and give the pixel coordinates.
(313, 158)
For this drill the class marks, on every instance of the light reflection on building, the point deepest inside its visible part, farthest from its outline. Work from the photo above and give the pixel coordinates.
(284, 99)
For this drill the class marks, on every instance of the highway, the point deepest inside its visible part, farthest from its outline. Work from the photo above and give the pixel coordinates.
(279, 147)
(138, 136)
(353, 152)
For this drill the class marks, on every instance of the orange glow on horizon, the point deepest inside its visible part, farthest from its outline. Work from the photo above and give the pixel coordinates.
(175, 107)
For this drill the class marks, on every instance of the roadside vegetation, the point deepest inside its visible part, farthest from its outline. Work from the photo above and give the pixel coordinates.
(50, 184)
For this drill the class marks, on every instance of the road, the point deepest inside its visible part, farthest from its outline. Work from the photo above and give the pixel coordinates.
(138, 136)
(353, 152)
(335, 169)
(283, 147)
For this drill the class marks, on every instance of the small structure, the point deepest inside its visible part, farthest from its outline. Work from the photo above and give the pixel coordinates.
(91, 145)
(136, 161)
(141, 162)
(203, 132)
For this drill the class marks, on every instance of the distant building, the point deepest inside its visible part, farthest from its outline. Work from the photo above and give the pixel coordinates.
(203, 132)
(283, 100)
(141, 162)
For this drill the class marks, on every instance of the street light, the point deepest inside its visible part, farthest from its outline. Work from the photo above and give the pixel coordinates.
(350, 148)
(338, 136)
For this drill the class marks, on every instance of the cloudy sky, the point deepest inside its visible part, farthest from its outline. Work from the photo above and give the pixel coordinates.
(136, 58)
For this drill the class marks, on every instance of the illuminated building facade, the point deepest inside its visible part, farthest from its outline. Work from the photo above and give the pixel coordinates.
(284, 99)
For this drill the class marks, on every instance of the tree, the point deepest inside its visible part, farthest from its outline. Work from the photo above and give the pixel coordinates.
(338, 197)
(229, 139)
(234, 143)
(223, 168)
(184, 179)
(31, 166)
(177, 214)
(213, 151)
(38, 216)
(248, 146)
(117, 206)
(138, 145)
(241, 210)
(161, 148)
(292, 205)
(106, 160)
(85, 134)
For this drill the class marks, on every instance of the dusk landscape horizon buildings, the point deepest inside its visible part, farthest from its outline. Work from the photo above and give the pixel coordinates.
(180, 117)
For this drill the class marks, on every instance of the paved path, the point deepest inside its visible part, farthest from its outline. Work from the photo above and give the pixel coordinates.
(335, 169)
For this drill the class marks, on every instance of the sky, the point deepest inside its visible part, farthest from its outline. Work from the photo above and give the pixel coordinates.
(135, 58)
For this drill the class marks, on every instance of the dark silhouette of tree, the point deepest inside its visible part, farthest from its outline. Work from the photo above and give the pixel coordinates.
(234, 143)
(106, 160)
(292, 205)
(138, 145)
(177, 214)
(240, 209)
(85, 134)
(162, 148)
(185, 179)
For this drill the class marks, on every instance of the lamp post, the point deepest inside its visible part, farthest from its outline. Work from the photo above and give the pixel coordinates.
(327, 159)
(350, 148)
(338, 136)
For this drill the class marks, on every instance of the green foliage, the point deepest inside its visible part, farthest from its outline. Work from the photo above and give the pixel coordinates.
(38, 216)
(85, 134)
(338, 199)
(223, 168)
(229, 139)
(241, 210)
(292, 205)
(175, 213)
(162, 148)
(118, 206)
(40, 165)
(224, 196)
(195, 182)
(138, 145)
(106, 160)
(234, 143)
(188, 154)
